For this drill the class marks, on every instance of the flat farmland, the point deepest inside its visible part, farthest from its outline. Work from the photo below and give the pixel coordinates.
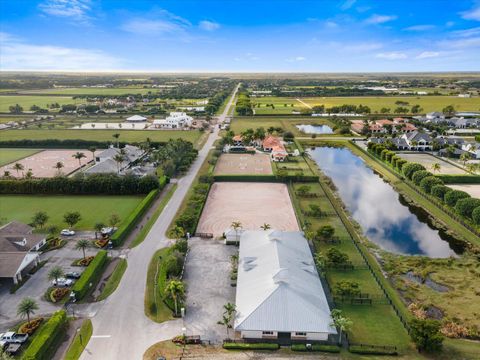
(428, 160)
(240, 124)
(92, 91)
(102, 135)
(243, 164)
(42, 164)
(472, 189)
(27, 101)
(253, 204)
(8, 156)
(281, 105)
(93, 208)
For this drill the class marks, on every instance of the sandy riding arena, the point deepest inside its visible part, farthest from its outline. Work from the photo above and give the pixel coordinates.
(243, 164)
(42, 164)
(472, 189)
(253, 204)
(428, 160)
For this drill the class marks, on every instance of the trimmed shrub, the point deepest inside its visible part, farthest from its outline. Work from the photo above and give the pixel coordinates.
(128, 224)
(410, 168)
(460, 179)
(439, 191)
(389, 155)
(357, 349)
(419, 175)
(466, 206)
(91, 275)
(49, 336)
(383, 154)
(400, 164)
(316, 347)
(453, 196)
(250, 346)
(428, 182)
(476, 215)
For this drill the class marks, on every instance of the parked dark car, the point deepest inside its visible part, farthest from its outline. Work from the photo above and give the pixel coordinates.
(73, 275)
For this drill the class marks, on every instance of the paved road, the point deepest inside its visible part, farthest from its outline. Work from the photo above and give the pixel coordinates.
(120, 328)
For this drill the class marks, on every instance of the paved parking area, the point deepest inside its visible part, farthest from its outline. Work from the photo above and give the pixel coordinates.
(38, 283)
(207, 275)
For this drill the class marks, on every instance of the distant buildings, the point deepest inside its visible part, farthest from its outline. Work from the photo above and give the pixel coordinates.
(136, 118)
(176, 120)
(384, 126)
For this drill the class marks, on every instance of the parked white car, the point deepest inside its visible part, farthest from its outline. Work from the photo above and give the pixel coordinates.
(67, 232)
(62, 282)
(11, 337)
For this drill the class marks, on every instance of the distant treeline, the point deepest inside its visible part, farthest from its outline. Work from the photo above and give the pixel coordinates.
(324, 91)
(67, 144)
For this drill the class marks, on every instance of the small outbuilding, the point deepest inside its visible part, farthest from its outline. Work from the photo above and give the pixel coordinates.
(136, 118)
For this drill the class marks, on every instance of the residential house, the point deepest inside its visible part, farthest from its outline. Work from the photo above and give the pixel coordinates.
(473, 148)
(275, 147)
(105, 161)
(176, 120)
(418, 141)
(279, 296)
(19, 250)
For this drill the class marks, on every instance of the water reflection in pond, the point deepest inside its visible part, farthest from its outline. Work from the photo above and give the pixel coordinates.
(315, 129)
(376, 206)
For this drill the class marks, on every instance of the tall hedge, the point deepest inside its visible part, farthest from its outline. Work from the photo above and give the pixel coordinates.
(476, 215)
(47, 339)
(109, 184)
(410, 168)
(65, 144)
(400, 164)
(453, 196)
(419, 175)
(460, 179)
(466, 206)
(128, 223)
(439, 191)
(91, 275)
(428, 182)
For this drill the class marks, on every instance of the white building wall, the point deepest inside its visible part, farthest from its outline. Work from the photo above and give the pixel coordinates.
(254, 334)
(317, 336)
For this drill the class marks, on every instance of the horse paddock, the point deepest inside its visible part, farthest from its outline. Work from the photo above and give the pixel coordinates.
(252, 204)
(243, 164)
(42, 164)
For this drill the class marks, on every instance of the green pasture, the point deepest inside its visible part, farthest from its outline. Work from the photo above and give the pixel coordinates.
(8, 156)
(93, 91)
(27, 101)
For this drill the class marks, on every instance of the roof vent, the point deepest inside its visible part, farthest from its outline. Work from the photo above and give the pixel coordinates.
(281, 277)
(275, 235)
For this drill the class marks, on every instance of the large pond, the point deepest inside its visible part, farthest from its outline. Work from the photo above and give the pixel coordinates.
(385, 218)
(315, 129)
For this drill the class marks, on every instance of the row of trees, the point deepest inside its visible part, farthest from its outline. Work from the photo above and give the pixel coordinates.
(244, 105)
(461, 202)
(175, 156)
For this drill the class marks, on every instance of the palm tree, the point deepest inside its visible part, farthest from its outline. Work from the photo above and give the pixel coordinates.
(119, 158)
(92, 149)
(82, 244)
(341, 322)
(116, 136)
(228, 316)
(26, 308)
(79, 156)
(18, 167)
(265, 227)
(98, 228)
(55, 273)
(59, 166)
(6, 173)
(176, 289)
(436, 167)
(236, 225)
(465, 157)
(472, 168)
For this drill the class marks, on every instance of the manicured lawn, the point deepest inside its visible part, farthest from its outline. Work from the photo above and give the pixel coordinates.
(80, 341)
(8, 156)
(42, 101)
(460, 349)
(92, 208)
(102, 135)
(113, 280)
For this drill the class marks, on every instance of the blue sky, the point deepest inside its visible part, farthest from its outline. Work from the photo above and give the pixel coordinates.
(243, 36)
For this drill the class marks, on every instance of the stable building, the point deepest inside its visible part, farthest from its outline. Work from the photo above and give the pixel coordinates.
(279, 295)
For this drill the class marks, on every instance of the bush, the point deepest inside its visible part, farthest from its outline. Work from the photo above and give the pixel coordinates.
(420, 175)
(90, 276)
(410, 168)
(439, 191)
(428, 182)
(466, 206)
(316, 347)
(357, 349)
(426, 334)
(252, 346)
(476, 215)
(30, 327)
(58, 294)
(128, 224)
(453, 196)
(460, 179)
(400, 164)
(45, 343)
(174, 263)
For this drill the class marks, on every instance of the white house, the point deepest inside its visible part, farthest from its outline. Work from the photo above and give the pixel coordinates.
(418, 141)
(279, 295)
(105, 162)
(136, 118)
(176, 120)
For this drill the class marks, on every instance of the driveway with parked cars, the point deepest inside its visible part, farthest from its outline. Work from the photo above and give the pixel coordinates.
(36, 286)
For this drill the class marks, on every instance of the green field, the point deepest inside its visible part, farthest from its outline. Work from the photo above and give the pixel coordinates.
(93, 208)
(10, 155)
(428, 103)
(27, 101)
(240, 124)
(102, 135)
(92, 91)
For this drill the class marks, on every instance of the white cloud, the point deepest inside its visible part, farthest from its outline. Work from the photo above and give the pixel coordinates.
(472, 42)
(208, 25)
(161, 22)
(74, 9)
(394, 55)
(296, 59)
(348, 4)
(467, 32)
(449, 23)
(18, 55)
(380, 19)
(420, 27)
(427, 54)
(329, 24)
(472, 14)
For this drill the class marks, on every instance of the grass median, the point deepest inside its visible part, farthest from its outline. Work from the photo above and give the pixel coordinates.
(80, 341)
(113, 280)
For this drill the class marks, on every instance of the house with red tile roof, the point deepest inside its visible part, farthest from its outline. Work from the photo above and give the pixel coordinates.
(275, 147)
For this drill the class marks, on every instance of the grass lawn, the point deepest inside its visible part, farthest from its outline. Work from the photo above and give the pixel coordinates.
(77, 346)
(156, 310)
(27, 101)
(113, 280)
(93, 91)
(8, 156)
(93, 208)
(102, 135)
(459, 349)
